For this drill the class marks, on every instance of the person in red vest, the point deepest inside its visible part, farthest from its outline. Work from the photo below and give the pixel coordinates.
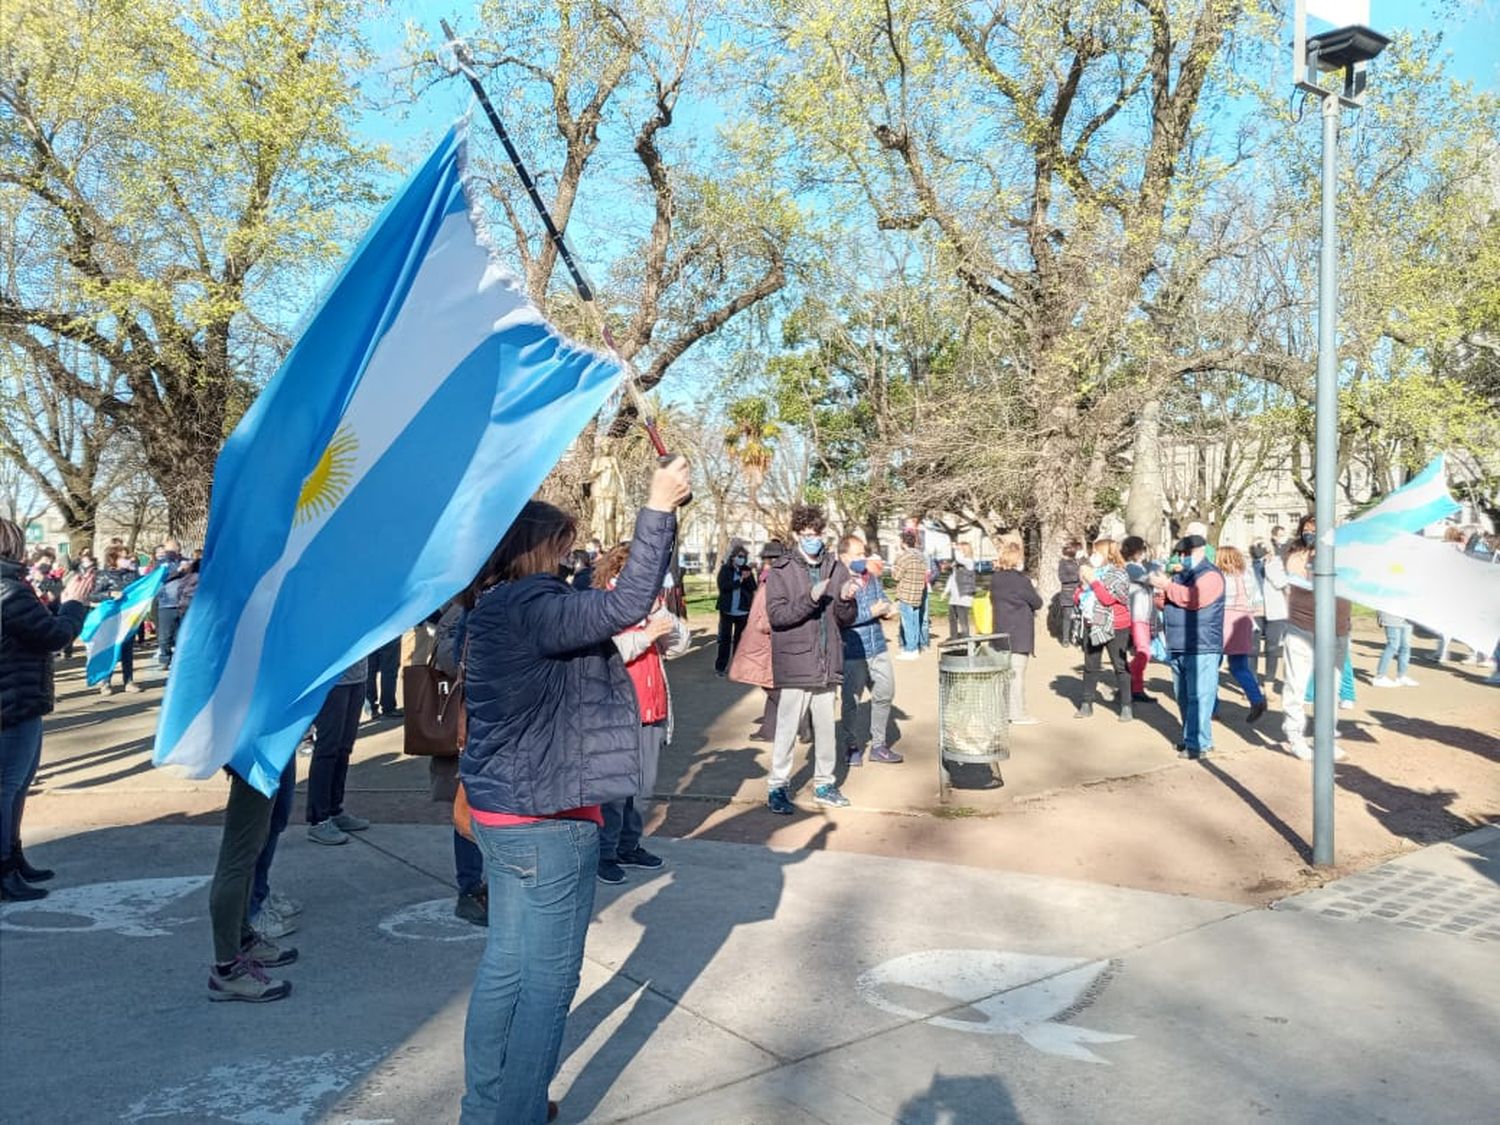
(643, 647)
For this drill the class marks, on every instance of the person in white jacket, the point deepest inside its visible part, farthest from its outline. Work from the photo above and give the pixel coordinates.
(644, 648)
(1273, 594)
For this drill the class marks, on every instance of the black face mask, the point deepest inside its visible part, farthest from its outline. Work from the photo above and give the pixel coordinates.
(1309, 538)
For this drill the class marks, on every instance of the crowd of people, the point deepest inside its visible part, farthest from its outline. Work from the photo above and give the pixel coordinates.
(560, 653)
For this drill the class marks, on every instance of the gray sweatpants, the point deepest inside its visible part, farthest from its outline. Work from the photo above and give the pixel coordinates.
(876, 673)
(795, 702)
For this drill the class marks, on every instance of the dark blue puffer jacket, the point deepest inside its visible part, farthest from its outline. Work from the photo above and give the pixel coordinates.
(553, 721)
(30, 633)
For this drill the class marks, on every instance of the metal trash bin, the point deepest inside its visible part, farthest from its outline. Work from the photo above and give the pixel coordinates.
(973, 704)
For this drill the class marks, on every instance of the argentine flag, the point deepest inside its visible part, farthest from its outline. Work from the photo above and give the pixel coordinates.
(1385, 563)
(423, 403)
(110, 623)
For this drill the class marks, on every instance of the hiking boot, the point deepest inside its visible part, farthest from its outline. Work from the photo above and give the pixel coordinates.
(854, 756)
(639, 857)
(267, 953)
(286, 907)
(611, 872)
(885, 754)
(1085, 711)
(779, 802)
(29, 873)
(474, 907)
(326, 832)
(246, 980)
(1256, 711)
(829, 796)
(269, 922)
(348, 822)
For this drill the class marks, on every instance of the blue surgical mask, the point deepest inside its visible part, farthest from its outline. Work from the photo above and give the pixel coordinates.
(812, 546)
(857, 566)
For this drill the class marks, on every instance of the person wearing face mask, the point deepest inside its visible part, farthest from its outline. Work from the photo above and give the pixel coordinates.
(736, 591)
(810, 597)
(1108, 627)
(867, 661)
(1192, 604)
(1297, 644)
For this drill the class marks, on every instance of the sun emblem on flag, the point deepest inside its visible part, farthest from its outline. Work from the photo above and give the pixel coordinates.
(326, 484)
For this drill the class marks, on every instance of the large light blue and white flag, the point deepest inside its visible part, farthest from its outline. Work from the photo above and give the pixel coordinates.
(423, 403)
(110, 624)
(1384, 563)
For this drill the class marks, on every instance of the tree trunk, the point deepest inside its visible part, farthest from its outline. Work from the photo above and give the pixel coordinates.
(81, 532)
(1146, 500)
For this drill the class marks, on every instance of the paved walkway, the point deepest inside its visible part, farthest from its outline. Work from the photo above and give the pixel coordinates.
(747, 984)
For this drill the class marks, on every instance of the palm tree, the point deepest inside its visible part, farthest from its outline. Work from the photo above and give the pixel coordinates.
(751, 442)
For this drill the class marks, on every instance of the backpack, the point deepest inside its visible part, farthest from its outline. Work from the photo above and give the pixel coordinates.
(1055, 619)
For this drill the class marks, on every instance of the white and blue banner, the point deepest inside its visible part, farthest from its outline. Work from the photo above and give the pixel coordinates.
(422, 405)
(111, 623)
(1385, 563)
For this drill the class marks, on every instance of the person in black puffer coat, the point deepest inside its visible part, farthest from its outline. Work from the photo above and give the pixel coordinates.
(554, 730)
(810, 597)
(30, 633)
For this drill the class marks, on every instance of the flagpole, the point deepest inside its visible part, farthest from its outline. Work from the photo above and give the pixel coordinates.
(463, 64)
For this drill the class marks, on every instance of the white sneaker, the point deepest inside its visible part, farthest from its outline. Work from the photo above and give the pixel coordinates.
(1385, 681)
(1338, 753)
(1407, 681)
(1301, 750)
(1346, 705)
(286, 907)
(270, 924)
(910, 656)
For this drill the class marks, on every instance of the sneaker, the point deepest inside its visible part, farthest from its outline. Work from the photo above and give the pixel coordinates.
(1085, 711)
(267, 954)
(326, 832)
(133, 688)
(348, 822)
(286, 907)
(1184, 752)
(270, 923)
(884, 754)
(909, 656)
(106, 688)
(829, 796)
(779, 802)
(246, 980)
(1256, 711)
(1407, 681)
(393, 713)
(639, 857)
(854, 756)
(723, 675)
(474, 907)
(611, 872)
(1384, 681)
(1346, 705)
(760, 736)
(1301, 750)
(1024, 721)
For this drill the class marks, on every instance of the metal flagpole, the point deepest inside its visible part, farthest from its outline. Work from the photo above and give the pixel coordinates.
(463, 64)
(1325, 642)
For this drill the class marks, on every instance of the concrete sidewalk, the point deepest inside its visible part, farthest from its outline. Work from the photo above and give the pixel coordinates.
(745, 984)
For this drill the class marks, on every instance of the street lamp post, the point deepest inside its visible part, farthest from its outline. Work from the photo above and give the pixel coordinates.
(1347, 49)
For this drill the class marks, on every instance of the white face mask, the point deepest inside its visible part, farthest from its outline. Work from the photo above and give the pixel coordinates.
(1096, 560)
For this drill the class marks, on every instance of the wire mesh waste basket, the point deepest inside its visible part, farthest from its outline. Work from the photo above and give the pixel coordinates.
(973, 704)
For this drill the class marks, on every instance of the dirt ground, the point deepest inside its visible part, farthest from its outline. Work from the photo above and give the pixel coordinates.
(1097, 800)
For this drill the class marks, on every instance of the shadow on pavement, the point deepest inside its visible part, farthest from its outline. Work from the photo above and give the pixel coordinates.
(1460, 738)
(1261, 809)
(1421, 817)
(953, 1098)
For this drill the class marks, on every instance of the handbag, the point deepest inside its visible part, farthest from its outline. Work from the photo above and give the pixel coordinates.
(434, 722)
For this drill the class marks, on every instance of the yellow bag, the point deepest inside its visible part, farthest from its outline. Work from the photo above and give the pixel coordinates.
(980, 615)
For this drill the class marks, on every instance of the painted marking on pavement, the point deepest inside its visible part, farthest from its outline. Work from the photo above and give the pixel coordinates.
(431, 921)
(260, 1091)
(133, 908)
(1020, 994)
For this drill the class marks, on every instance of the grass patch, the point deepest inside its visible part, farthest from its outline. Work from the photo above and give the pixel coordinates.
(954, 812)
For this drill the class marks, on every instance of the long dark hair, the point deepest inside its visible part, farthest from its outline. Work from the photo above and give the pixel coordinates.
(540, 536)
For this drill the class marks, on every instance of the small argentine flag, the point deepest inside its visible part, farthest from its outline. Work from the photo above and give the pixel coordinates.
(1420, 502)
(110, 624)
(422, 405)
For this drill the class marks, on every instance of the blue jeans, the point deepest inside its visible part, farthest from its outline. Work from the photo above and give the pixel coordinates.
(911, 627)
(20, 750)
(1195, 680)
(281, 812)
(468, 864)
(1241, 669)
(1397, 644)
(542, 879)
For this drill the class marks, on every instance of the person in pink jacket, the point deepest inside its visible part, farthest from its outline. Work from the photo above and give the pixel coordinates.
(1242, 604)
